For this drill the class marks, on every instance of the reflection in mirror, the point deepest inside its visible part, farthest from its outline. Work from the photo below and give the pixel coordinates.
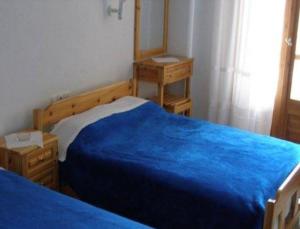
(152, 24)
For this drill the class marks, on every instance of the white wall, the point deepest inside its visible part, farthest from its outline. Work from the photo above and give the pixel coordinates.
(180, 32)
(204, 15)
(47, 47)
(181, 24)
(191, 35)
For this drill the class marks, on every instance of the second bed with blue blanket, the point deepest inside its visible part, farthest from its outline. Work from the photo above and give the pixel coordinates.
(169, 171)
(24, 204)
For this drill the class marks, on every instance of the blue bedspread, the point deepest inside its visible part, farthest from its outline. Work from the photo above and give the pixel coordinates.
(27, 205)
(169, 171)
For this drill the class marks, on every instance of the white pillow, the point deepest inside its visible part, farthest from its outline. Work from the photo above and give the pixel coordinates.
(68, 128)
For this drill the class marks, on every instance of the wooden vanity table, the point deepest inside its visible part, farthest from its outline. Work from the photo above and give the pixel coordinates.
(151, 39)
(164, 74)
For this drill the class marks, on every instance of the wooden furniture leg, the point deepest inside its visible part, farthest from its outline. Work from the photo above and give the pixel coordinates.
(3, 159)
(189, 112)
(135, 82)
(187, 84)
(160, 94)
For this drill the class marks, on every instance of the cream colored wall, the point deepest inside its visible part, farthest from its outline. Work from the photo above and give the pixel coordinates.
(48, 47)
(191, 35)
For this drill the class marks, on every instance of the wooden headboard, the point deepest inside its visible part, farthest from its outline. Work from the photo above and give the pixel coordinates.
(43, 118)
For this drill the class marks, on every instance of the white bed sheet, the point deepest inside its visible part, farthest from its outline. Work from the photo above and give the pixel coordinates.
(67, 129)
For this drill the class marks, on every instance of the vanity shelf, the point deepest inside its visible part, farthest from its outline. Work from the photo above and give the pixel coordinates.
(175, 104)
(164, 74)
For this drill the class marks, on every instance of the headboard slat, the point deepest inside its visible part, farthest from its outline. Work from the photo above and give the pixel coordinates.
(59, 110)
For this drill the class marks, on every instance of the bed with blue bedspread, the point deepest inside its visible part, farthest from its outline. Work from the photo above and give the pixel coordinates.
(170, 171)
(27, 205)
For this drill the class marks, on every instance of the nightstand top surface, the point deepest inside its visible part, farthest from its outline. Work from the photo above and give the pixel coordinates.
(151, 62)
(47, 138)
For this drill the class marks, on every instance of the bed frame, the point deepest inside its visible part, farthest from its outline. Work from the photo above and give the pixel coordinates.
(283, 212)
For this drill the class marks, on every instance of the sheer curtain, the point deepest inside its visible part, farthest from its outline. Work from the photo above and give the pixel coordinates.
(245, 62)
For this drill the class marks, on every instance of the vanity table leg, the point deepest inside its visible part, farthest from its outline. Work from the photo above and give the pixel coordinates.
(161, 94)
(135, 81)
(188, 113)
(187, 84)
(136, 88)
(3, 158)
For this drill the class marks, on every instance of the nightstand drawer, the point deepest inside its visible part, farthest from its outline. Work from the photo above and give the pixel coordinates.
(40, 159)
(149, 74)
(178, 72)
(46, 178)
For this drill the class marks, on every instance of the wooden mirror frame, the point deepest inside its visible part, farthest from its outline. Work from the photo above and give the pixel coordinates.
(142, 54)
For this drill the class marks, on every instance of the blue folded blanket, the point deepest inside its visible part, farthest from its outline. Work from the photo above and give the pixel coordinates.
(169, 171)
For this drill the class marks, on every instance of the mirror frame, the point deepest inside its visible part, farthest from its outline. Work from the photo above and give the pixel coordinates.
(143, 54)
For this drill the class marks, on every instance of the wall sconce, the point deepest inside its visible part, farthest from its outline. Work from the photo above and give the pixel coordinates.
(119, 11)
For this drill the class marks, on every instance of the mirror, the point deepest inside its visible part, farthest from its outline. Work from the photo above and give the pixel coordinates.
(151, 28)
(152, 24)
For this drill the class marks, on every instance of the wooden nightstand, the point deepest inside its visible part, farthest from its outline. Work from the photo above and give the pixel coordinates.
(164, 74)
(37, 164)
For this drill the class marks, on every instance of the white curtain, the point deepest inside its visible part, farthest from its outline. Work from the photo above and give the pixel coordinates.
(245, 62)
